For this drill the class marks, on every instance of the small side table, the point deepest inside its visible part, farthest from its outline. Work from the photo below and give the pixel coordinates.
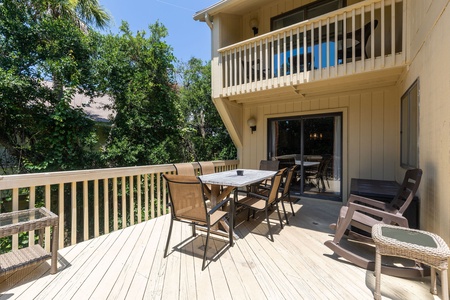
(417, 245)
(23, 221)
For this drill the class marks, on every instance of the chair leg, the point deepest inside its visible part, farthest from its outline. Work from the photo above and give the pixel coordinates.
(292, 207)
(168, 238)
(284, 210)
(231, 214)
(193, 230)
(206, 247)
(279, 215)
(268, 224)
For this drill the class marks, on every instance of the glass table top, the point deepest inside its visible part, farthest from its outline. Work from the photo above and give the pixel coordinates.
(23, 216)
(409, 236)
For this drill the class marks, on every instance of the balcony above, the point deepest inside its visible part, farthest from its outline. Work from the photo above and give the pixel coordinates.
(359, 46)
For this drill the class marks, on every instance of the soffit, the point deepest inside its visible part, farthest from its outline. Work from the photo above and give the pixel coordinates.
(235, 7)
(340, 85)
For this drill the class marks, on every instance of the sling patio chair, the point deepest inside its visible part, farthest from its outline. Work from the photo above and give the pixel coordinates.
(187, 203)
(285, 190)
(186, 169)
(207, 167)
(358, 216)
(263, 201)
(320, 174)
(267, 165)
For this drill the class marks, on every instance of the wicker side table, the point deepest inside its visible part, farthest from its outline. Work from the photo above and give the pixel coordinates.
(417, 245)
(23, 221)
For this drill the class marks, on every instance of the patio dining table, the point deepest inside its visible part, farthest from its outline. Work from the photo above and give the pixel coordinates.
(223, 183)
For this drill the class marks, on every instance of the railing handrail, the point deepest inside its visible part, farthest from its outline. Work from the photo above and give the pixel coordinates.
(364, 37)
(287, 29)
(37, 179)
(93, 202)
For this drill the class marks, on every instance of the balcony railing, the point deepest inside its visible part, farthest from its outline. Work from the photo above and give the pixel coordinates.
(90, 203)
(359, 38)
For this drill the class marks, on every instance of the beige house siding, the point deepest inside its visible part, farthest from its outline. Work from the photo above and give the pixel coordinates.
(371, 114)
(370, 130)
(428, 24)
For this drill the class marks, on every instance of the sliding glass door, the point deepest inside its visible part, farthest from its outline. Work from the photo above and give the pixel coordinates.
(314, 144)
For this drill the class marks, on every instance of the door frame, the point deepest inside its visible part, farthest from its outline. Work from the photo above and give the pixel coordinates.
(345, 182)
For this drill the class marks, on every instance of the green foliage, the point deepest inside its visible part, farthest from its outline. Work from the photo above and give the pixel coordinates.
(137, 72)
(47, 56)
(44, 60)
(204, 134)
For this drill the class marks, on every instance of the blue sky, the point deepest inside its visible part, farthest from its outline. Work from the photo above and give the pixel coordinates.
(187, 37)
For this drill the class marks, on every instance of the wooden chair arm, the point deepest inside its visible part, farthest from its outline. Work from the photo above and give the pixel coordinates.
(376, 203)
(386, 216)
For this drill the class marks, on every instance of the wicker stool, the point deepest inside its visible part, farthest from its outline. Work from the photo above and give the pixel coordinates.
(417, 245)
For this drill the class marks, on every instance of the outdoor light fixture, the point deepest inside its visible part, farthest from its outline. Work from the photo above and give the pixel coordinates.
(252, 123)
(254, 25)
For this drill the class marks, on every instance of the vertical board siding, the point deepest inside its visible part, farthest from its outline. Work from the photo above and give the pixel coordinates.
(268, 60)
(372, 144)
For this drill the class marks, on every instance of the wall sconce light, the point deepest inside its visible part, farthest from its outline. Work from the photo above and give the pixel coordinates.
(252, 123)
(254, 25)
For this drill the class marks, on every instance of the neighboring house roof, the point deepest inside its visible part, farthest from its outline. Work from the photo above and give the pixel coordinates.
(95, 108)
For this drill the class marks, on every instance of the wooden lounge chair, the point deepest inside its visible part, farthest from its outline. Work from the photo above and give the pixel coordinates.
(188, 205)
(263, 201)
(360, 214)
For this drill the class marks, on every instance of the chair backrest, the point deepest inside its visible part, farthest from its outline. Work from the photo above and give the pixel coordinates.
(323, 165)
(186, 197)
(407, 190)
(276, 181)
(186, 169)
(289, 175)
(207, 167)
(358, 37)
(269, 165)
(367, 33)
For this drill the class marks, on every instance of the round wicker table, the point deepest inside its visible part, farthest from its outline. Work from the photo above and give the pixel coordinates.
(420, 246)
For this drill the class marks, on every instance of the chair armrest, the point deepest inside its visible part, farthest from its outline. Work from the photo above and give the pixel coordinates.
(386, 216)
(218, 205)
(256, 195)
(354, 198)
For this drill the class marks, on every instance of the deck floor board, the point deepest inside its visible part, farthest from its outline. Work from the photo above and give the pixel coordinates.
(130, 264)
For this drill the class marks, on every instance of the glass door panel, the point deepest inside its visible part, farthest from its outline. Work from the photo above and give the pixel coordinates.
(314, 144)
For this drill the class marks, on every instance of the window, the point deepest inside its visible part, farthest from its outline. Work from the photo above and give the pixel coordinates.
(306, 12)
(409, 149)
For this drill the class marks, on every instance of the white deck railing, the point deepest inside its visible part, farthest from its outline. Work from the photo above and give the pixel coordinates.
(90, 203)
(335, 46)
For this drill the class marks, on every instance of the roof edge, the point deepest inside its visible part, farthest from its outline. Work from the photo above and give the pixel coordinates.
(200, 15)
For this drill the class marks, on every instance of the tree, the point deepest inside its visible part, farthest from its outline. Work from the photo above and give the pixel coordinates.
(204, 134)
(38, 125)
(137, 72)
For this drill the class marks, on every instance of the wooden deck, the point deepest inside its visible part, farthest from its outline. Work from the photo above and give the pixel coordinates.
(129, 264)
